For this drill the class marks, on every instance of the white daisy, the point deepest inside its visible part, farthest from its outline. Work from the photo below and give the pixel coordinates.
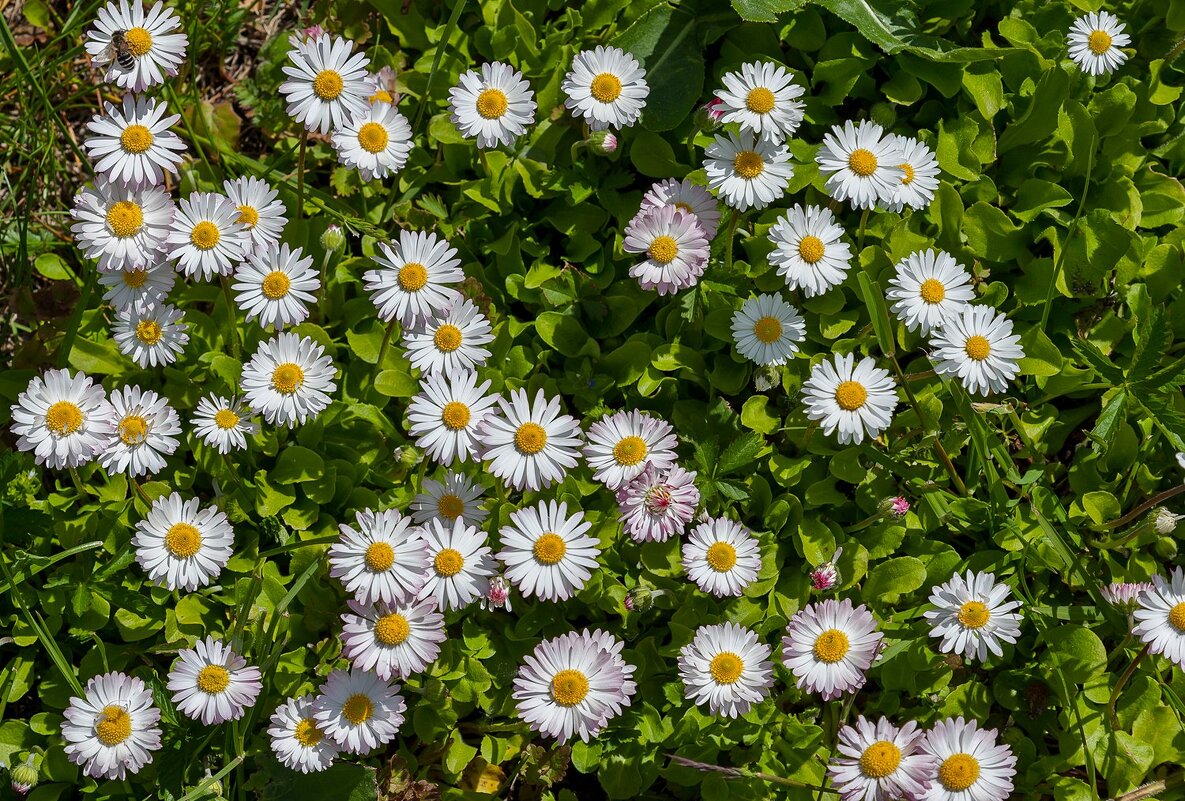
(547, 552)
(444, 416)
(156, 52)
(829, 646)
(529, 444)
(393, 640)
(1094, 42)
(213, 684)
(64, 419)
(261, 211)
(691, 198)
(655, 505)
(113, 729)
(151, 334)
(206, 238)
(767, 330)
(143, 434)
(412, 283)
(384, 86)
(607, 87)
(919, 179)
(973, 616)
(449, 342)
(289, 379)
(385, 559)
(928, 287)
(121, 226)
(297, 741)
(376, 142)
(727, 668)
(132, 143)
(675, 245)
(457, 497)
(327, 83)
(1160, 617)
(181, 545)
(150, 282)
(722, 557)
(461, 564)
(863, 163)
(223, 423)
(1125, 596)
(809, 251)
(621, 445)
(746, 172)
(762, 98)
(856, 398)
(880, 762)
(358, 710)
(276, 284)
(977, 345)
(969, 764)
(494, 105)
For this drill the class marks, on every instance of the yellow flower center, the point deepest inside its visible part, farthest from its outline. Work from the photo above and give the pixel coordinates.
(549, 549)
(450, 506)
(213, 679)
(974, 615)
(663, 249)
(932, 291)
(909, 174)
(630, 450)
(958, 772)
(183, 540)
(139, 41)
(606, 87)
(760, 100)
(491, 103)
(862, 162)
(136, 139)
(768, 329)
(978, 347)
(447, 338)
(63, 418)
(358, 709)
(831, 646)
(455, 415)
(133, 429)
(726, 668)
(225, 419)
(125, 218)
(880, 759)
(530, 438)
(381, 96)
(850, 395)
(287, 377)
(373, 137)
(149, 332)
(448, 562)
(276, 284)
(205, 235)
(1177, 617)
(391, 629)
(327, 85)
(113, 726)
(412, 276)
(379, 557)
(306, 733)
(248, 216)
(684, 207)
(1099, 42)
(810, 249)
(569, 687)
(721, 557)
(748, 164)
(135, 278)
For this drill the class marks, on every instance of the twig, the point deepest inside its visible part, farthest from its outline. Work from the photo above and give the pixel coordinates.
(1119, 685)
(1139, 510)
(741, 773)
(1152, 788)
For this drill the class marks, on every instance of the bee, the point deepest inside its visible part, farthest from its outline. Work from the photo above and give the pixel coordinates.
(119, 52)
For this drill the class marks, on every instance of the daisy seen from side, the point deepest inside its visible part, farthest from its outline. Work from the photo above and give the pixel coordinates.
(691, 198)
(458, 496)
(919, 176)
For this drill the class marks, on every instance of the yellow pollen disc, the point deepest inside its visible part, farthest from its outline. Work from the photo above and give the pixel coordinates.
(248, 216)
(748, 164)
(831, 646)
(530, 438)
(358, 709)
(909, 174)
(133, 429)
(880, 759)
(974, 615)
(450, 506)
(1099, 42)
(149, 332)
(491, 103)
(958, 772)
(113, 726)
(287, 377)
(63, 417)
(205, 235)
(225, 419)
(125, 218)
(455, 415)
(810, 249)
(306, 733)
(569, 687)
(684, 207)
(183, 540)
(412, 276)
(549, 549)
(213, 679)
(379, 557)
(381, 96)
(1177, 617)
(606, 87)
(629, 451)
(276, 284)
(768, 329)
(373, 137)
(135, 278)
(135, 139)
(721, 557)
(139, 41)
(663, 249)
(447, 338)
(760, 100)
(391, 629)
(726, 668)
(932, 291)
(448, 562)
(850, 395)
(978, 347)
(862, 162)
(327, 85)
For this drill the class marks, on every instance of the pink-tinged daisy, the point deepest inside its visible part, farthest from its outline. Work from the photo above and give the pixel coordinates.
(621, 445)
(656, 505)
(829, 646)
(675, 246)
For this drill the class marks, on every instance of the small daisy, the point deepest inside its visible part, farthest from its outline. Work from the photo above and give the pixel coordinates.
(132, 143)
(297, 741)
(288, 380)
(727, 668)
(973, 616)
(148, 283)
(223, 423)
(275, 285)
(461, 564)
(412, 283)
(383, 84)
(261, 211)
(929, 286)
(880, 762)
(919, 180)
(607, 87)
(809, 251)
(121, 226)
(548, 553)
(181, 545)
(64, 419)
(675, 245)
(977, 345)
(114, 728)
(746, 172)
(384, 560)
(1125, 596)
(358, 710)
(655, 505)
(856, 398)
(144, 432)
(156, 52)
(444, 416)
(1094, 41)
(327, 84)
(968, 763)
(829, 646)
(393, 640)
(622, 444)
(767, 330)
(206, 238)
(691, 198)
(213, 684)
(458, 497)
(762, 99)
(151, 334)
(494, 105)
(376, 143)
(530, 444)
(722, 557)
(864, 165)
(1160, 617)
(449, 342)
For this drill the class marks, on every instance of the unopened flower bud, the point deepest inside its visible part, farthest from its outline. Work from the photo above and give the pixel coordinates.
(603, 143)
(826, 575)
(898, 506)
(1165, 521)
(334, 239)
(707, 116)
(639, 599)
(498, 596)
(24, 776)
(314, 32)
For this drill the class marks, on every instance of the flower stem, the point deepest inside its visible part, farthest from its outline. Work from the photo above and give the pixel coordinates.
(1073, 229)
(304, 140)
(378, 365)
(860, 235)
(140, 491)
(943, 456)
(230, 312)
(82, 493)
(732, 228)
(1119, 685)
(1139, 510)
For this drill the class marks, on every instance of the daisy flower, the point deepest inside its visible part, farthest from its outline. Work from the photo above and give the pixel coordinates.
(275, 285)
(829, 646)
(297, 741)
(530, 444)
(968, 763)
(607, 87)
(977, 345)
(64, 419)
(223, 423)
(494, 105)
(622, 444)
(857, 398)
(261, 211)
(880, 762)
(762, 99)
(147, 283)
(376, 142)
(383, 84)
(747, 173)
(864, 165)
(143, 434)
(213, 684)
(449, 342)
(548, 553)
(288, 380)
(358, 710)
(1160, 617)
(727, 668)
(928, 287)
(457, 497)
(809, 251)
(461, 564)
(132, 143)
(121, 226)
(327, 83)
(385, 559)
(206, 238)
(412, 283)
(444, 416)
(973, 616)
(1125, 596)
(151, 334)
(181, 545)
(767, 330)
(722, 557)
(156, 52)
(655, 504)
(919, 180)
(1094, 41)
(691, 198)
(393, 640)
(675, 245)
(113, 729)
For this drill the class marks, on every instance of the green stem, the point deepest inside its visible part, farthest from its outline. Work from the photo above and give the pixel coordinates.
(378, 365)
(1171, 56)
(1139, 510)
(742, 773)
(1116, 542)
(231, 315)
(943, 456)
(82, 493)
(140, 491)
(1073, 229)
(860, 235)
(728, 237)
(304, 140)
(1119, 685)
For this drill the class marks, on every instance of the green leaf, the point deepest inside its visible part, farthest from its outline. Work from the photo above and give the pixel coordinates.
(741, 452)
(1113, 415)
(341, 782)
(396, 384)
(1041, 115)
(765, 10)
(1097, 360)
(53, 266)
(754, 416)
(992, 235)
(654, 157)
(564, 332)
(663, 40)
(1101, 506)
(297, 464)
(878, 310)
(891, 579)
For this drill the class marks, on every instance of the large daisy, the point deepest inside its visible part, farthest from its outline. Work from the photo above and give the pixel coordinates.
(767, 330)
(384, 559)
(973, 615)
(458, 496)
(547, 552)
(113, 729)
(863, 164)
(358, 710)
(289, 379)
(327, 82)
(929, 286)
(150, 282)
(181, 545)
(495, 105)
(809, 251)
(212, 683)
(445, 414)
(621, 445)
(261, 211)
(151, 334)
(726, 667)
(762, 98)
(393, 640)
(414, 278)
(1160, 617)
(829, 647)
(121, 226)
(977, 345)
(1094, 42)
(451, 341)
(856, 398)
(722, 557)
(206, 238)
(132, 143)
(145, 429)
(460, 564)
(747, 172)
(675, 245)
(655, 504)
(297, 741)
(275, 285)
(607, 87)
(968, 763)
(155, 50)
(64, 419)
(691, 198)
(529, 444)
(376, 143)
(223, 423)
(880, 762)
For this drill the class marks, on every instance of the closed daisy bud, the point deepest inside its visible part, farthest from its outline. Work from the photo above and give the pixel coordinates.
(640, 599)
(603, 143)
(897, 506)
(826, 575)
(1124, 596)
(498, 596)
(23, 776)
(333, 240)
